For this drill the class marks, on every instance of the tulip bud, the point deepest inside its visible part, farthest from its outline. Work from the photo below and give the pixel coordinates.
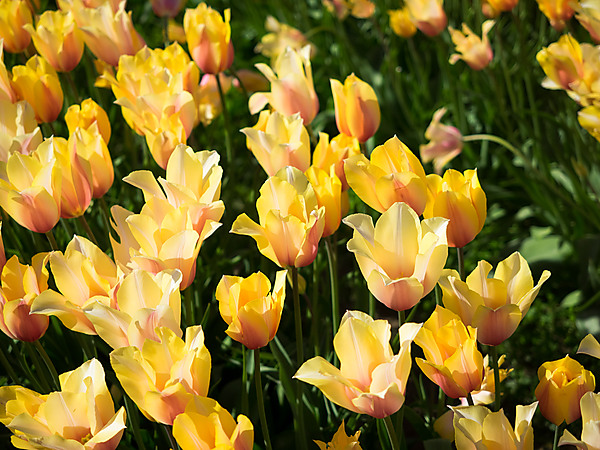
(402, 23)
(428, 15)
(334, 153)
(20, 133)
(167, 8)
(86, 115)
(558, 12)
(14, 14)
(328, 189)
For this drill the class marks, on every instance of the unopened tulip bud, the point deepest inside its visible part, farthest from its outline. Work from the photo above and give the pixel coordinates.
(14, 14)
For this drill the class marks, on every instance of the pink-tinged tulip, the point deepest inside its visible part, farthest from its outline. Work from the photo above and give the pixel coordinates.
(328, 189)
(251, 311)
(394, 174)
(472, 49)
(2, 253)
(30, 188)
(477, 427)
(562, 384)
(208, 99)
(280, 37)
(7, 93)
(290, 220)
(14, 14)
(400, 257)
(57, 38)
(108, 33)
(76, 174)
(361, 9)
(587, 13)
(142, 302)
(91, 152)
(590, 346)
(19, 131)
(206, 424)
(251, 80)
(167, 8)
(71, 5)
(428, 15)
(356, 108)
(590, 416)
(493, 8)
(402, 23)
(452, 360)
(82, 275)
(292, 88)
(334, 152)
(459, 198)
(86, 116)
(563, 63)
(38, 84)
(21, 284)
(445, 142)
(495, 306)
(209, 38)
(164, 376)
(341, 441)
(277, 141)
(558, 12)
(371, 379)
(79, 416)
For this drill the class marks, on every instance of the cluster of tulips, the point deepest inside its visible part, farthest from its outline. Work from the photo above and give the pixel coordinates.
(130, 297)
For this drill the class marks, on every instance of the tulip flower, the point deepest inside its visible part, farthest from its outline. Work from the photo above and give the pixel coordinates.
(88, 115)
(452, 360)
(446, 142)
(495, 306)
(277, 141)
(2, 252)
(251, 311)
(562, 384)
(208, 99)
(79, 416)
(206, 424)
(328, 189)
(478, 427)
(356, 108)
(341, 441)
(38, 83)
(588, 15)
(459, 198)
(91, 152)
(290, 220)
(162, 377)
(19, 131)
(7, 93)
(428, 15)
(334, 152)
(590, 346)
(292, 88)
(280, 37)
(167, 8)
(558, 12)
(71, 5)
(361, 9)
(21, 284)
(401, 258)
(57, 38)
(209, 38)
(493, 8)
(563, 63)
(14, 14)
(402, 23)
(394, 174)
(82, 274)
(472, 49)
(590, 433)
(76, 174)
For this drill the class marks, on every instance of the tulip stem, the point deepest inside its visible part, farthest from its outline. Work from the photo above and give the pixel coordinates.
(52, 240)
(557, 429)
(335, 301)
(389, 426)
(461, 262)
(49, 364)
(73, 86)
(190, 317)
(245, 407)
(8, 366)
(41, 379)
(261, 402)
(165, 29)
(88, 230)
(172, 441)
(299, 356)
(226, 119)
(470, 399)
(132, 417)
(496, 368)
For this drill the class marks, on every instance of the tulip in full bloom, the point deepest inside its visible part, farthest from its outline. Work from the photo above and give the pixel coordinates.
(280, 37)
(334, 153)
(562, 384)
(206, 424)
(79, 416)
(38, 83)
(371, 379)
(162, 377)
(477, 427)
(292, 88)
(472, 49)
(590, 416)
(356, 108)
(209, 38)
(328, 189)
(277, 141)
(401, 258)
(558, 12)
(495, 306)
(88, 115)
(452, 360)
(445, 142)
(459, 198)
(14, 14)
(290, 220)
(428, 15)
(341, 441)
(394, 174)
(19, 131)
(21, 284)
(251, 311)
(401, 22)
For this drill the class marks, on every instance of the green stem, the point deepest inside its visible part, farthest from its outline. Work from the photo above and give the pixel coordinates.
(245, 407)
(172, 441)
(37, 362)
(461, 262)
(40, 383)
(228, 152)
(8, 366)
(106, 215)
(49, 364)
(557, 429)
(470, 399)
(496, 368)
(73, 86)
(261, 402)
(301, 435)
(132, 416)
(165, 29)
(335, 301)
(52, 240)
(87, 229)
(189, 307)
(401, 318)
(389, 426)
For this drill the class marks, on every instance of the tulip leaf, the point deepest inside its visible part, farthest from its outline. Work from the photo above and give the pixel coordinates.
(542, 245)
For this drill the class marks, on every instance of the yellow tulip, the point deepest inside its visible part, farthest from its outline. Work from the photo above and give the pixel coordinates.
(162, 377)
(590, 346)
(446, 142)
(371, 379)
(209, 38)
(452, 360)
(76, 174)
(334, 152)
(328, 189)
(477, 427)
(341, 441)
(92, 152)
(19, 131)
(207, 97)
(493, 8)
(292, 88)
(459, 198)
(361, 9)
(79, 416)
(428, 15)
(38, 83)
(563, 63)
(562, 384)
(14, 14)
(402, 23)
(472, 49)
(87, 116)
(590, 433)
(7, 93)
(82, 274)
(400, 257)
(280, 36)
(495, 306)
(250, 310)
(167, 8)
(589, 118)
(290, 220)
(206, 424)
(356, 108)
(394, 174)
(558, 12)
(21, 284)
(588, 15)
